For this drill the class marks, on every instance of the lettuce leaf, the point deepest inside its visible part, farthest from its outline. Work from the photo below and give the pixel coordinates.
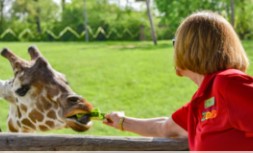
(95, 114)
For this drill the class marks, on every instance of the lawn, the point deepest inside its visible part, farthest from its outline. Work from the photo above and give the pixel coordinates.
(135, 77)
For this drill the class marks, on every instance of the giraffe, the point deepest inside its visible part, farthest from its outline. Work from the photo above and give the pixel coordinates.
(40, 98)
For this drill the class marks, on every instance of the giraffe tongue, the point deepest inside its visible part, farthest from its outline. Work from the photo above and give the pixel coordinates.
(84, 119)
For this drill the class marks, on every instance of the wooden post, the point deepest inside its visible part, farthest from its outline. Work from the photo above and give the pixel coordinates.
(35, 142)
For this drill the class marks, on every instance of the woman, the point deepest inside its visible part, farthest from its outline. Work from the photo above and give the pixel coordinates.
(219, 115)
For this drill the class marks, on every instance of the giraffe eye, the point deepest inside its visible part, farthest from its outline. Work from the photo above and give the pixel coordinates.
(22, 90)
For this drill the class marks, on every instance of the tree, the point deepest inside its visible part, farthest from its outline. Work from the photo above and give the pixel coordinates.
(238, 12)
(174, 11)
(63, 2)
(232, 16)
(47, 20)
(36, 13)
(4, 4)
(72, 16)
(153, 33)
(243, 18)
(86, 22)
(116, 22)
(1, 11)
(37, 16)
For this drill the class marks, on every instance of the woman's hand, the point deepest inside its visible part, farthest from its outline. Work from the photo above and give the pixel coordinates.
(115, 119)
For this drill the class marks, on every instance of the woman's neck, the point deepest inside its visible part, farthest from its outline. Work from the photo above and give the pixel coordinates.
(195, 77)
(198, 79)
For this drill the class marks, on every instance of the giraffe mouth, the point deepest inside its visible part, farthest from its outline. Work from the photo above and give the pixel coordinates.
(79, 121)
(81, 118)
(78, 118)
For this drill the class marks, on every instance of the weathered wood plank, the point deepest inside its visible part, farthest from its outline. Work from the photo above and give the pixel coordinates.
(38, 142)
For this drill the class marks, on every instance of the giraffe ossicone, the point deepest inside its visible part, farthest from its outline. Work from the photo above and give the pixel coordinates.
(40, 98)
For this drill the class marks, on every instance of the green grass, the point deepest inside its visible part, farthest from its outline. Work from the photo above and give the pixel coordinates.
(135, 77)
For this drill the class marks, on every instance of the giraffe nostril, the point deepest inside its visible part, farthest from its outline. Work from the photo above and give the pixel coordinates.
(73, 100)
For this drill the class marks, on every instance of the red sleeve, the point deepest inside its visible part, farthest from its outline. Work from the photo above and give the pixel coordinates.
(237, 91)
(181, 116)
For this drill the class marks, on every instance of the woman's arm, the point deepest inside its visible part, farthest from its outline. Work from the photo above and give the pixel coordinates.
(154, 127)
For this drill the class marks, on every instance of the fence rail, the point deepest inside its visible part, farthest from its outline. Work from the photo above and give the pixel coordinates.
(35, 142)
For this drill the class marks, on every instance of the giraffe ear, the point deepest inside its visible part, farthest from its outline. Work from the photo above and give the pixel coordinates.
(8, 54)
(34, 52)
(41, 63)
(5, 52)
(15, 61)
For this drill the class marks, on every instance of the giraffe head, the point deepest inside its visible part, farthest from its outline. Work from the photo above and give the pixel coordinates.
(40, 97)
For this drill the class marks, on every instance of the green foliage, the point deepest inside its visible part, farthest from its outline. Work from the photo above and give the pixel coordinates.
(174, 11)
(67, 34)
(244, 18)
(72, 16)
(103, 15)
(44, 20)
(8, 35)
(47, 10)
(48, 21)
(27, 11)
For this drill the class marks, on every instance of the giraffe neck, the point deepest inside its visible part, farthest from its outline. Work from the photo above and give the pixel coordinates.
(30, 119)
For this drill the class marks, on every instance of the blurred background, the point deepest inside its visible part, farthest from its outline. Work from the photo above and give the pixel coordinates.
(100, 20)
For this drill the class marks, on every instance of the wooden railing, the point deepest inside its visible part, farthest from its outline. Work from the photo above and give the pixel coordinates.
(35, 142)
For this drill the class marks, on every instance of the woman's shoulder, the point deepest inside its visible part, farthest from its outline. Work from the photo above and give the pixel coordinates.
(232, 76)
(230, 72)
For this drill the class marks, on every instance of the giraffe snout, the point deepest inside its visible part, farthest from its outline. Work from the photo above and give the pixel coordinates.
(77, 104)
(76, 114)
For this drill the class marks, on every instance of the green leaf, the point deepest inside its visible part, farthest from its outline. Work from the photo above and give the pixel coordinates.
(95, 114)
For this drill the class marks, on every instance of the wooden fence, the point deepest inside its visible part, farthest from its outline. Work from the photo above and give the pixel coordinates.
(38, 142)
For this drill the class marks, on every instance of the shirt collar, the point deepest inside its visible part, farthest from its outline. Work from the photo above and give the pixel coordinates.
(205, 86)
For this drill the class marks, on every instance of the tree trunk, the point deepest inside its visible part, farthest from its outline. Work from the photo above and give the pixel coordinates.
(232, 17)
(85, 21)
(2, 12)
(142, 32)
(63, 4)
(151, 23)
(37, 20)
(37, 17)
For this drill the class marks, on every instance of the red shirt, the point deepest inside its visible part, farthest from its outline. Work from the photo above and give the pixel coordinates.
(220, 113)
